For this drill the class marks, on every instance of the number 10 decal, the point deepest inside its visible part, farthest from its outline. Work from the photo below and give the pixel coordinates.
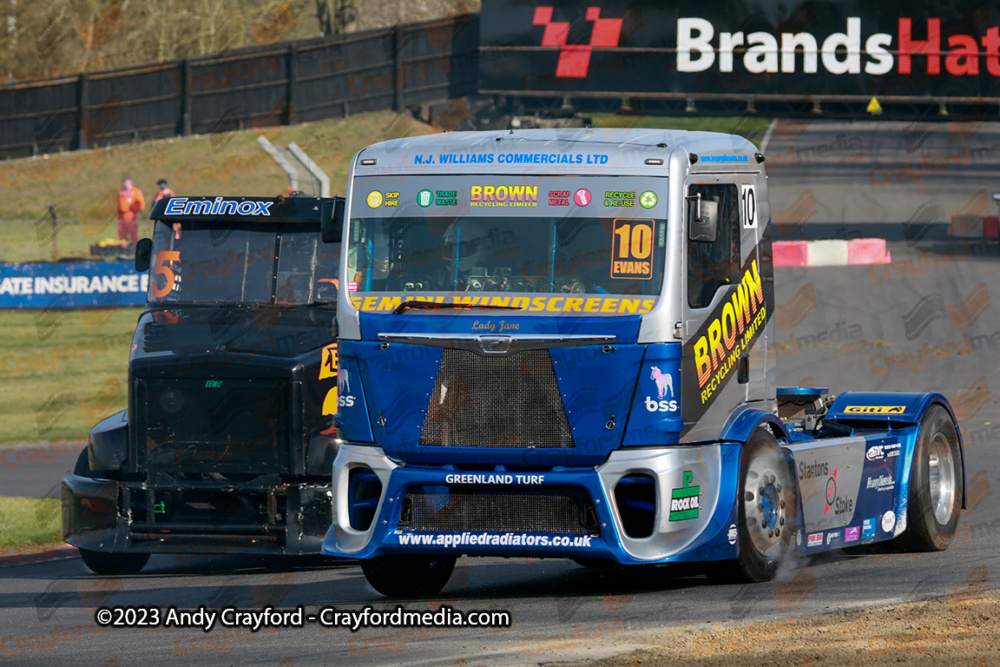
(632, 249)
(748, 206)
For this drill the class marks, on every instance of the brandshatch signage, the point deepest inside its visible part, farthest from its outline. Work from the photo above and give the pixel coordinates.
(771, 48)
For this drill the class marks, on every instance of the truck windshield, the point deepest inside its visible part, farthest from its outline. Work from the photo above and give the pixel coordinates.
(554, 238)
(277, 263)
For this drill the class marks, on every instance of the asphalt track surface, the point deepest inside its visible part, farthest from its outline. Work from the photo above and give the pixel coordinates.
(923, 322)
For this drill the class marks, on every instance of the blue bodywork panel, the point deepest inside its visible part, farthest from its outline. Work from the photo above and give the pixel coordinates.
(884, 407)
(397, 379)
(622, 405)
(655, 417)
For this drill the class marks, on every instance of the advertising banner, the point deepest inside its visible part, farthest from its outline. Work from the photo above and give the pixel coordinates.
(827, 48)
(72, 285)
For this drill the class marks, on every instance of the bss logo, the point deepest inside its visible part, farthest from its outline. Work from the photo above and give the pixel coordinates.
(660, 406)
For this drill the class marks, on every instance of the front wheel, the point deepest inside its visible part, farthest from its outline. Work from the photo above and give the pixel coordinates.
(936, 484)
(767, 508)
(408, 576)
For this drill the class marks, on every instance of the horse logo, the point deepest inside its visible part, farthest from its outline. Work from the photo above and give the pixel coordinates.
(664, 382)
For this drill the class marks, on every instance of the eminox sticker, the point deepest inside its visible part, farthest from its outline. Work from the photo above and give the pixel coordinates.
(600, 305)
(729, 334)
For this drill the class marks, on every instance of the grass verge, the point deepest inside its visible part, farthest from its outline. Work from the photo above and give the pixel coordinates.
(82, 185)
(62, 371)
(29, 521)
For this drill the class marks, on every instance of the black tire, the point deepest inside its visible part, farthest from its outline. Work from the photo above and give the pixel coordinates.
(936, 483)
(104, 562)
(112, 562)
(763, 549)
(408, 576)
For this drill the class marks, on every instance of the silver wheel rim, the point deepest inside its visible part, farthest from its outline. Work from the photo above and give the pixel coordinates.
(766, 504)
(941, 478)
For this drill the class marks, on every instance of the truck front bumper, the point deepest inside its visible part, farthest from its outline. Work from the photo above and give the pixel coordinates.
(690, 501)
(260, 516)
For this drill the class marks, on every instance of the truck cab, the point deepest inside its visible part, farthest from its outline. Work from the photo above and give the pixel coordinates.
(560, 343)
(226, 445)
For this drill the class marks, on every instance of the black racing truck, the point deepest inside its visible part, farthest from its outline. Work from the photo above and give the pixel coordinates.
(226, 445)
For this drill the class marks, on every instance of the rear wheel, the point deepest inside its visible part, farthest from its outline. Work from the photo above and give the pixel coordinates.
(104, 562)
(767, 507)
(408, 576)
(936, 484)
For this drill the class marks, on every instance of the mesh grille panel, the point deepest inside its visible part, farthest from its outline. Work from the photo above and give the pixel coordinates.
(503, 401)
(208, 424)
(442, 509)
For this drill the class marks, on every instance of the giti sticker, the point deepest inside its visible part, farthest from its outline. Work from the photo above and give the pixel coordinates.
(875, 409)
(632, 249)
(748, 206)
(328, 365)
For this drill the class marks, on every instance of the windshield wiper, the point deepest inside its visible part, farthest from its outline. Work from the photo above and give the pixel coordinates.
(419, 304)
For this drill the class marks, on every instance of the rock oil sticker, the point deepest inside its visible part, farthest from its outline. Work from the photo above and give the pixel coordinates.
(685, 501)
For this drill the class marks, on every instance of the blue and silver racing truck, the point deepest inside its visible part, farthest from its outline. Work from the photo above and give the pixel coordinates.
(560, 343)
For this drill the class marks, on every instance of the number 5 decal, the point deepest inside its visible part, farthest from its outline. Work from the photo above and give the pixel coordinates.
(160, 268)
(748, 206)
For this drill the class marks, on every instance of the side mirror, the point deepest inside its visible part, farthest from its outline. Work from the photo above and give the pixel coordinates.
(332, 224)
(703, 219)
(143, 252)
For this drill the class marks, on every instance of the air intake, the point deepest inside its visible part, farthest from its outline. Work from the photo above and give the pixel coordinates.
(497, 401)
(438, 509)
